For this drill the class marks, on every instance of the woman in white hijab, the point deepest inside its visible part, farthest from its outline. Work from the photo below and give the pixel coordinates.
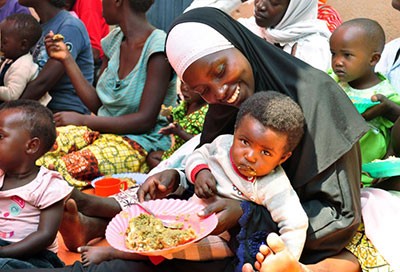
(290, 24)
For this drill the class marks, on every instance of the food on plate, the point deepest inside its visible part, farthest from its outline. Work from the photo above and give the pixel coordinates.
(147, 233)
(58, 37)
(390, 158)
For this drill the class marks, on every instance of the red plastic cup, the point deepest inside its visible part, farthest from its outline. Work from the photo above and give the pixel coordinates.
(109, 186)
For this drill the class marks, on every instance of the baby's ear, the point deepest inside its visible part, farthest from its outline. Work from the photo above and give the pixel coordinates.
(24, 45)
(376, 56)
(285, 157)
(33, 146)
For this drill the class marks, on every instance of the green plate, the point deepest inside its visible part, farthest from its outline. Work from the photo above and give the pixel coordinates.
(383, 168)
(362, 104)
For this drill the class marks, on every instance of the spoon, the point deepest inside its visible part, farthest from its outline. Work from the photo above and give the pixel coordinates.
(167, 223)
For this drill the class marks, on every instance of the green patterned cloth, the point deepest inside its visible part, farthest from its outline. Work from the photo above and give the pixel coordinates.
(192, 123)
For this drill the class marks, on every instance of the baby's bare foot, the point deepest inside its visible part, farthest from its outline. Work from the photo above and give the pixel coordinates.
(95, 254)
(76, 229)
(274, 258)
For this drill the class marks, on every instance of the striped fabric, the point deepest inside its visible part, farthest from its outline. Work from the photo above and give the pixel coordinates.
(329, 14)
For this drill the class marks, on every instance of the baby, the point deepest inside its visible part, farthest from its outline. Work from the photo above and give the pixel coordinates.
(246, 165)
(31, 197)
(356, 48)
(19, 33)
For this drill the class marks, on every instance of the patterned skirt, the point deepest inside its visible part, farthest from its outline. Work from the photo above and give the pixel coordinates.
(81, 155)
(368, 256)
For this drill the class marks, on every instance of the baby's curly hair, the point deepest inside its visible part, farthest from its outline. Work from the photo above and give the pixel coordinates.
(38, 121)
(141, 5)
(26, 27)
(276, 111)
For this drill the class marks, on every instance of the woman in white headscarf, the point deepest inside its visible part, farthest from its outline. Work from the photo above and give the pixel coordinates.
(291, 25)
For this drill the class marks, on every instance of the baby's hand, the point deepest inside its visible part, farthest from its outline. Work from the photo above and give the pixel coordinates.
(205, 184)
(173, 128)
(387, 108)
(167, 130)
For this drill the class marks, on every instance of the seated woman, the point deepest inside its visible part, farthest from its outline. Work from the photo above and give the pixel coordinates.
(289, 24)
(135, 82)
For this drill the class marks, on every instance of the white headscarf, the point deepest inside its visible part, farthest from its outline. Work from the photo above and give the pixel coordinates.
(299, 21)
(188, 42)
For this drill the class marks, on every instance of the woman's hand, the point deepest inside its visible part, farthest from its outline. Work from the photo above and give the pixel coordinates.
(56, 49)
(68, 118)
(228, 212)
(159, 185)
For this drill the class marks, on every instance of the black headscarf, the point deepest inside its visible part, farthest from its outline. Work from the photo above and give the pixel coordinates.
(333, 125)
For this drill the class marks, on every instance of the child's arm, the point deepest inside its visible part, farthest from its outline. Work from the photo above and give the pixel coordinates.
(175, 129)
(387, 109)
(50, 219)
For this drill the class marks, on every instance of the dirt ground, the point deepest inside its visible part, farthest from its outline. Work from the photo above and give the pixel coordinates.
(381, 11)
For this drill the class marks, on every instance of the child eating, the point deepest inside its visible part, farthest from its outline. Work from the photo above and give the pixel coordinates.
(356, 48)
(186, 121)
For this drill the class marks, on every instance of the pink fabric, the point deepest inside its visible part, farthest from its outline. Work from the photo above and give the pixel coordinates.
(20, 207)
(381, 215)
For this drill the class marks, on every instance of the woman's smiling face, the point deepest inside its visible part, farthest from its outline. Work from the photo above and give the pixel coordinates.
(224, 77)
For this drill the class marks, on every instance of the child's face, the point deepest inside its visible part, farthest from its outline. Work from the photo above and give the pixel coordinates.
(257, 150)
(189, 96)
(352, 58)
(14, 139)
(11, 44)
